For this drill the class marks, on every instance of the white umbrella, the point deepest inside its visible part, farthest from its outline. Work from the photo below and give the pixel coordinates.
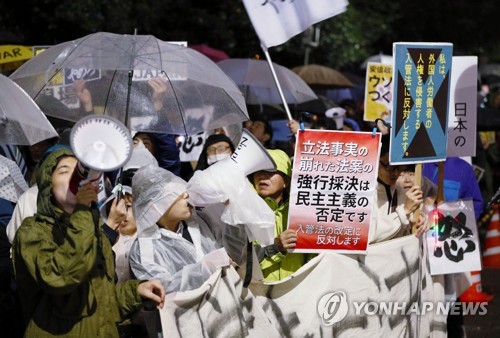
(12, 183)
(21, 120)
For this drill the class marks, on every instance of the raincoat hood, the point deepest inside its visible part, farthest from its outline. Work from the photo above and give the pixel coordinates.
(282, 160)
(45, 205)
(154, 190)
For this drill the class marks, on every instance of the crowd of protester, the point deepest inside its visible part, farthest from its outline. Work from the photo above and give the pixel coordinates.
(88, 273)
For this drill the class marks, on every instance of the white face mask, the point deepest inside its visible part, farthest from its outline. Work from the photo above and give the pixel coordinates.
(211, 159)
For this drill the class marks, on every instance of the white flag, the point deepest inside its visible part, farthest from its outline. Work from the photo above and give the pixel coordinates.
(276, 21)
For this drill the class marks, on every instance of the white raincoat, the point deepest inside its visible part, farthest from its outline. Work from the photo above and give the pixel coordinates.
(164, 254)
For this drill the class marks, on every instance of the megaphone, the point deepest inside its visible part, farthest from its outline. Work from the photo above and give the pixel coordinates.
(251, 156)
(100, 143)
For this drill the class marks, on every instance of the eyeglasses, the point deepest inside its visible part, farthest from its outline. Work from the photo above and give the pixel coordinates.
(217, 150)
(392, 168)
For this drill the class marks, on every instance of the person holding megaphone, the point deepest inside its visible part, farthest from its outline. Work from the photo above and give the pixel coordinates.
(64, 263)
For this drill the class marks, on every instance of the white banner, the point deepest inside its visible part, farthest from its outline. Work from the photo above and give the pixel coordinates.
(462, 114)
(276, 21)
(303, 304)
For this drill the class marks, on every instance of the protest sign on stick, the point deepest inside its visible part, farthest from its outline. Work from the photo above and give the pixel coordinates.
(421, 98)
(333, 184)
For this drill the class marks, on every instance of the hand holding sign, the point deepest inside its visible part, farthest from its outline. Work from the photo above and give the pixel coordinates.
(414, 196)
(286, 240)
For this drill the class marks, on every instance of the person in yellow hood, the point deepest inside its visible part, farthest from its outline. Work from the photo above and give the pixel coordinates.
(64, 264)
(274, 188)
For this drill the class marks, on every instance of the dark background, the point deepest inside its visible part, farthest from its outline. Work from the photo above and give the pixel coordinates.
(368, 27)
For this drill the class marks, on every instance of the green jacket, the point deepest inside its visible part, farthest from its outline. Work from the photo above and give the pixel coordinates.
(276, 265)
(65, 271)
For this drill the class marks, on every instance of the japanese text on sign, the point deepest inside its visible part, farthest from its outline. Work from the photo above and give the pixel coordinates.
(333, 183)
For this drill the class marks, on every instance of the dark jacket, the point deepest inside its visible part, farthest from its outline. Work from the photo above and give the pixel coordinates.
(166, 152)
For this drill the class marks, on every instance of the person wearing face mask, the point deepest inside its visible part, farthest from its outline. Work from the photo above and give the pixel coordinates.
(217, 147)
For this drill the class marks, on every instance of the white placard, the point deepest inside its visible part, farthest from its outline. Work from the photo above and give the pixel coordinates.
(462, 114)
(453, 241)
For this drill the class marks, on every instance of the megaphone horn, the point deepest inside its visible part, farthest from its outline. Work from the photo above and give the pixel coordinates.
(251, 156)
(100, 143)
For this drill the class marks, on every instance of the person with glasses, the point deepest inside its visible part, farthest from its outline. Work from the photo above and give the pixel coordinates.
(217, 147)
(390, 217)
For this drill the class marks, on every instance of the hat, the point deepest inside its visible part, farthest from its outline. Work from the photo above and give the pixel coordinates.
(282, 160)
(216, 138)
(337, 114)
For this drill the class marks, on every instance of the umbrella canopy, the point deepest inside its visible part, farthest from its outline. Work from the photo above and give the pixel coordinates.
(145, 83)
(378, 58)
(213, 54)
(318, 106)
(12, 183)
(255, 79)
(317, 75)
(21, 121)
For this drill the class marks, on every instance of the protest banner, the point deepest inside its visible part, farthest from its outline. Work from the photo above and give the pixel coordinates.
(385, 296)
(332, 188)
(453, 241)
(421, 97)
(462, 126)
(378, 92)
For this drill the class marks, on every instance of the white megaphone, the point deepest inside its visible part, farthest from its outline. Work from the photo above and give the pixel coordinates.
(250, 156)
(100, 143)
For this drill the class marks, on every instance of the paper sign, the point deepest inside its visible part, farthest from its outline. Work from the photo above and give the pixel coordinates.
(421, 96)
(462, 116)
(378, 92)
(333, 185)
(453, 241)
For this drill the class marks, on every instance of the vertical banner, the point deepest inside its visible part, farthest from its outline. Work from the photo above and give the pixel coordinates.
(378, 92)
(333, 183)
(463, 107)
(421, 79)
(453, 241)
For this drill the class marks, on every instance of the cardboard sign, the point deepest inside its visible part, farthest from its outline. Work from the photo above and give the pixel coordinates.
(332, 189)
(422, 74)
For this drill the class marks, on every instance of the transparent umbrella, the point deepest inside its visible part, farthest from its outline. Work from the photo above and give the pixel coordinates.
(21, 120)
(145, 83)
(256, 81)
(12, 183)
